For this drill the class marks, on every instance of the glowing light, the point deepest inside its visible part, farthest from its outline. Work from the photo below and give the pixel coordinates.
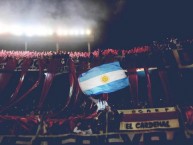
(3, 29)
(43, 31)
(62, 32)
(65, 33)
(82, 32)
(72, 32)
(88, 32)
(16, 30)
(29, 31)
(37, 30)
(76, 32)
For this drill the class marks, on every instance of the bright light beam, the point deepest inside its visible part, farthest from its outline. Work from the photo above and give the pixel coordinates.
(31, 31)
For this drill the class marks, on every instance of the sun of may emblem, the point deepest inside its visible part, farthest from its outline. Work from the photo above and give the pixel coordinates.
(104, 79)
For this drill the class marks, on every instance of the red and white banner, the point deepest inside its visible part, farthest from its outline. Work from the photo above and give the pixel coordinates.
(150, 118)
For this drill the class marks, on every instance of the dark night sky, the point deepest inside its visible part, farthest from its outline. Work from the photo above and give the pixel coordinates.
(145, 21)
(116, 23)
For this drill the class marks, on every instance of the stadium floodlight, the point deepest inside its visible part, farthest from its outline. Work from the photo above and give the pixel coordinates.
(62, 32)
(65, 33)
(88, 32)
(2, 29)
(19, 29)
(41, 31)
(29, 31)
(82, 32)
(76, 32)
(16, 30)
(72, 32)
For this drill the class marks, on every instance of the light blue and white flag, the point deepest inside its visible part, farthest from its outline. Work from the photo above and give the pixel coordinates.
(105, 78)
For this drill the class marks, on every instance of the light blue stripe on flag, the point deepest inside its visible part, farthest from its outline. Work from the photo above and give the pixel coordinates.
(106, 78)
(99, 70)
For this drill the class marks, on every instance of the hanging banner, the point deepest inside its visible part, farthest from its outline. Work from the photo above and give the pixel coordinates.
(148, 119)
(34, 65)
(129, 138)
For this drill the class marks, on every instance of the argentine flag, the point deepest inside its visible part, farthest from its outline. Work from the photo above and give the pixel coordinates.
(105, 78)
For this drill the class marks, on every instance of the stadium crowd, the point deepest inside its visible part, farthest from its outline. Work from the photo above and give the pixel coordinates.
(157, 54)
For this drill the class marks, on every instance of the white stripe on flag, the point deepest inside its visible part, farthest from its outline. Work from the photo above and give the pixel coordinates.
(96, 81)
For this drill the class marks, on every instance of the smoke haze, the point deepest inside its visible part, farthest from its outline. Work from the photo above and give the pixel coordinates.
(53, 13)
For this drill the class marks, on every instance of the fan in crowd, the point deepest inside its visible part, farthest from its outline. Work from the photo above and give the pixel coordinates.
(78, 129)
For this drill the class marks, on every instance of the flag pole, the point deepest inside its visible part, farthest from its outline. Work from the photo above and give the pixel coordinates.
(89, 51)
(26, 45)
(106, 129)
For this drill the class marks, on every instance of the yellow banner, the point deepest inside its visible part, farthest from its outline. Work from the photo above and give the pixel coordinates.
(148, 125)
(148, 110)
